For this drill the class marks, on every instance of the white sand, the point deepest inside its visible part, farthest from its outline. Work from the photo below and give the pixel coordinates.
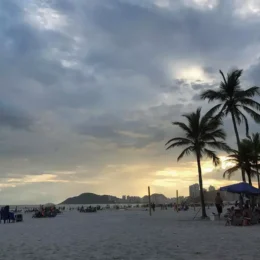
(127, 235)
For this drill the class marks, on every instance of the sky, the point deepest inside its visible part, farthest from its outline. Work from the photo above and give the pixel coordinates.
(89, 89)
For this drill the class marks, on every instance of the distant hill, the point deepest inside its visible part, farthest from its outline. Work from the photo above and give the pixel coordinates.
(156, 198)
(90, 198)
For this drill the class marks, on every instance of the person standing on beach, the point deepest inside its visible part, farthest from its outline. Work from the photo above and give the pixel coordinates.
(153, 206)
(219, 204)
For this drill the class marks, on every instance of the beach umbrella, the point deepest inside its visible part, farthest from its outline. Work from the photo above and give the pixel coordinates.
(241, 187)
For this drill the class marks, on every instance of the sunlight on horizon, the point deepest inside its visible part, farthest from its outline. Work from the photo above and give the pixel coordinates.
(179, 177)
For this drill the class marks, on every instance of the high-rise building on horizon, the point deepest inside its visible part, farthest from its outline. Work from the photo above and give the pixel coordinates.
(194, 190)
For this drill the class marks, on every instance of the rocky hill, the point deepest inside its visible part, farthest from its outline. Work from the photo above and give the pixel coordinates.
(90, 198)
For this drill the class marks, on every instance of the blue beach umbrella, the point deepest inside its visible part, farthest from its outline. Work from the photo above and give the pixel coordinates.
(241, 187)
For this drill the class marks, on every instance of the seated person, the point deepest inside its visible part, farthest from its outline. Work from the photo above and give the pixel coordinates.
(230, 214)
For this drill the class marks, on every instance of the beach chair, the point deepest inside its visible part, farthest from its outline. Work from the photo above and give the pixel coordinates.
(18, 217)
(11, 217)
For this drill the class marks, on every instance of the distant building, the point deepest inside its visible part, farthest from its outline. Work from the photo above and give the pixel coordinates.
(194, 190)
(131, 199)
(226, 196)
(212, 188)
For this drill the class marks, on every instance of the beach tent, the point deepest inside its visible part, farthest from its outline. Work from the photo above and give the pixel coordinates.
(241, 187)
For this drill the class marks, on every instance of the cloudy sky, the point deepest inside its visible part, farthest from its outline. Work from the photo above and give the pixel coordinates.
(89, 89)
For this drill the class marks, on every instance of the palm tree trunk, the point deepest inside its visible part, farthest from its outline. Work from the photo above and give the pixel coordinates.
(203, 209)
(257, 174)
(249, 179)
(238, 143)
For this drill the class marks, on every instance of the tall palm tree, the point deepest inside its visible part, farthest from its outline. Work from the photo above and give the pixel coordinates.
(235, 101)
(199, 134)
(255, 142)
(242, 159)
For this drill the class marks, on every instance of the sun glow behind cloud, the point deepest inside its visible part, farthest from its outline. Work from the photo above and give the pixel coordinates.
(180, 177)
(187, 72)
(207, 165)
(45, 18)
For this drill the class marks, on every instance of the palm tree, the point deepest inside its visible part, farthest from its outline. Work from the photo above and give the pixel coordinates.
(235, 101)
(200, 132)
(242, 159)
(255, 143)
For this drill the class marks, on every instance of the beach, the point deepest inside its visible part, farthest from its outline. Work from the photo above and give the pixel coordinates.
(127, 234)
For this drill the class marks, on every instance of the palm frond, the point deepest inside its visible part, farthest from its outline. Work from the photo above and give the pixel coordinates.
(219, 133)
(244, 119)
(256, 138)
(178, 139)
(220, 146)
(199, 133)
(212, 95)
(236, 114)
(250, 92)
(186, 151)
(212, 155)
(229, 172)
(212, 111)
(194, 121)
(252, 113)
(223, 76)
(183, 126)
(177, 144)
(250, 102)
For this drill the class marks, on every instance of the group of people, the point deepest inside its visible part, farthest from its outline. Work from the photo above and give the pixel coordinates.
(45, 212)
(6, 215)
(244, 209)
(175, 206)
(245, 212)
(89, 209)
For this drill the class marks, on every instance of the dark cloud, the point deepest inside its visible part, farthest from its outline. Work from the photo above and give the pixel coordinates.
(14, 118)
(105, 79)
(200, 86)
(130, 133)
(253, 73)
